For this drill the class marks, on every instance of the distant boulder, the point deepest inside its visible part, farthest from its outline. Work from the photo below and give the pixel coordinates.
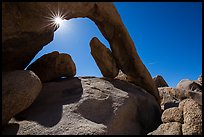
(170, 97)
(200, 80)
(186, 119)
(191, 85)
(159, 81)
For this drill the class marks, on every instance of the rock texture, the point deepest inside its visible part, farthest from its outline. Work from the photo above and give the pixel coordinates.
(88, 105)
(53, 65)
(186, 84)
(159, 81)
(196, 96)
(173, 114)
(192, 117)
(26, 28)
(121, 76)
(19, 89)
(200, 79)
(170, 97)
(171, 128)
(103, 58)
(186, 119)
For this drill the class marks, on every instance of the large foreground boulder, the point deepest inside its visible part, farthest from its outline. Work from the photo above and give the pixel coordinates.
(88, 105)
(19, 89)
(53, 65)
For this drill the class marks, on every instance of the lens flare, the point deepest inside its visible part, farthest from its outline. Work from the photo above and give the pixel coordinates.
(58, 20)
(55, 18)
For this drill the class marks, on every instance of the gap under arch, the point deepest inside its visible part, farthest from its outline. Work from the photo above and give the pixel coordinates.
(73, 37)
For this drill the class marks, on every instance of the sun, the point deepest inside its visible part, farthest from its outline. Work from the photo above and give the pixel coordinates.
(55, 18)
(58, 20)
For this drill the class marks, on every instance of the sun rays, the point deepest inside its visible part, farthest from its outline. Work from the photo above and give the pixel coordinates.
(58, 20)
(55, 18)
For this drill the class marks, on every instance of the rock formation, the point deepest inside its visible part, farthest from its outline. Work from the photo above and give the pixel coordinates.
(196, 96)
(19, 89)
(159, 81)
(86, 105)
(171, 97)
(172, 114)
(192, 117)
(186, 119)
(53, 65)
(26, 28)
(200, 79)
(182, 109)
(92, 106)
(103, 58)
(186, 84)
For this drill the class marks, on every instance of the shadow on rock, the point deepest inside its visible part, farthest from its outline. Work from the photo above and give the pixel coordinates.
(10, 129)
(47, 109)
(149, 116)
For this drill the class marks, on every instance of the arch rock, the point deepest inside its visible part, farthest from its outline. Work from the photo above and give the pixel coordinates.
(25, 31)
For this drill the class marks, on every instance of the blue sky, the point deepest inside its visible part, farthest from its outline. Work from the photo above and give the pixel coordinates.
(167, 36)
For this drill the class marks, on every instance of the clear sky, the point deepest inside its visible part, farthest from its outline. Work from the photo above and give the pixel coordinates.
(167, 37)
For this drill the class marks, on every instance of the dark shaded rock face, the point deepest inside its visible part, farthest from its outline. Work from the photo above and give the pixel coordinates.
(88, 106)
(19, 89)
(26, 29)
(159, 81)
(52, 66)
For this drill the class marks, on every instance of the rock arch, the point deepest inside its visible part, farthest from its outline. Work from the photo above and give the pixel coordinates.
(24, 34)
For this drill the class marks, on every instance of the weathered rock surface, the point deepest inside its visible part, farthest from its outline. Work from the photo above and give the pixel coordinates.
(171, 128)
(88, 106)
(53, 65)
(103, 58)
(170, 97)
(173, 114)
(186, 119)
(121, 76)
(187, 85)
(196, 96)
(26, 28)
(124, 77)
(159, 81)
(200, 79)
(192, 117)
(19, 89)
